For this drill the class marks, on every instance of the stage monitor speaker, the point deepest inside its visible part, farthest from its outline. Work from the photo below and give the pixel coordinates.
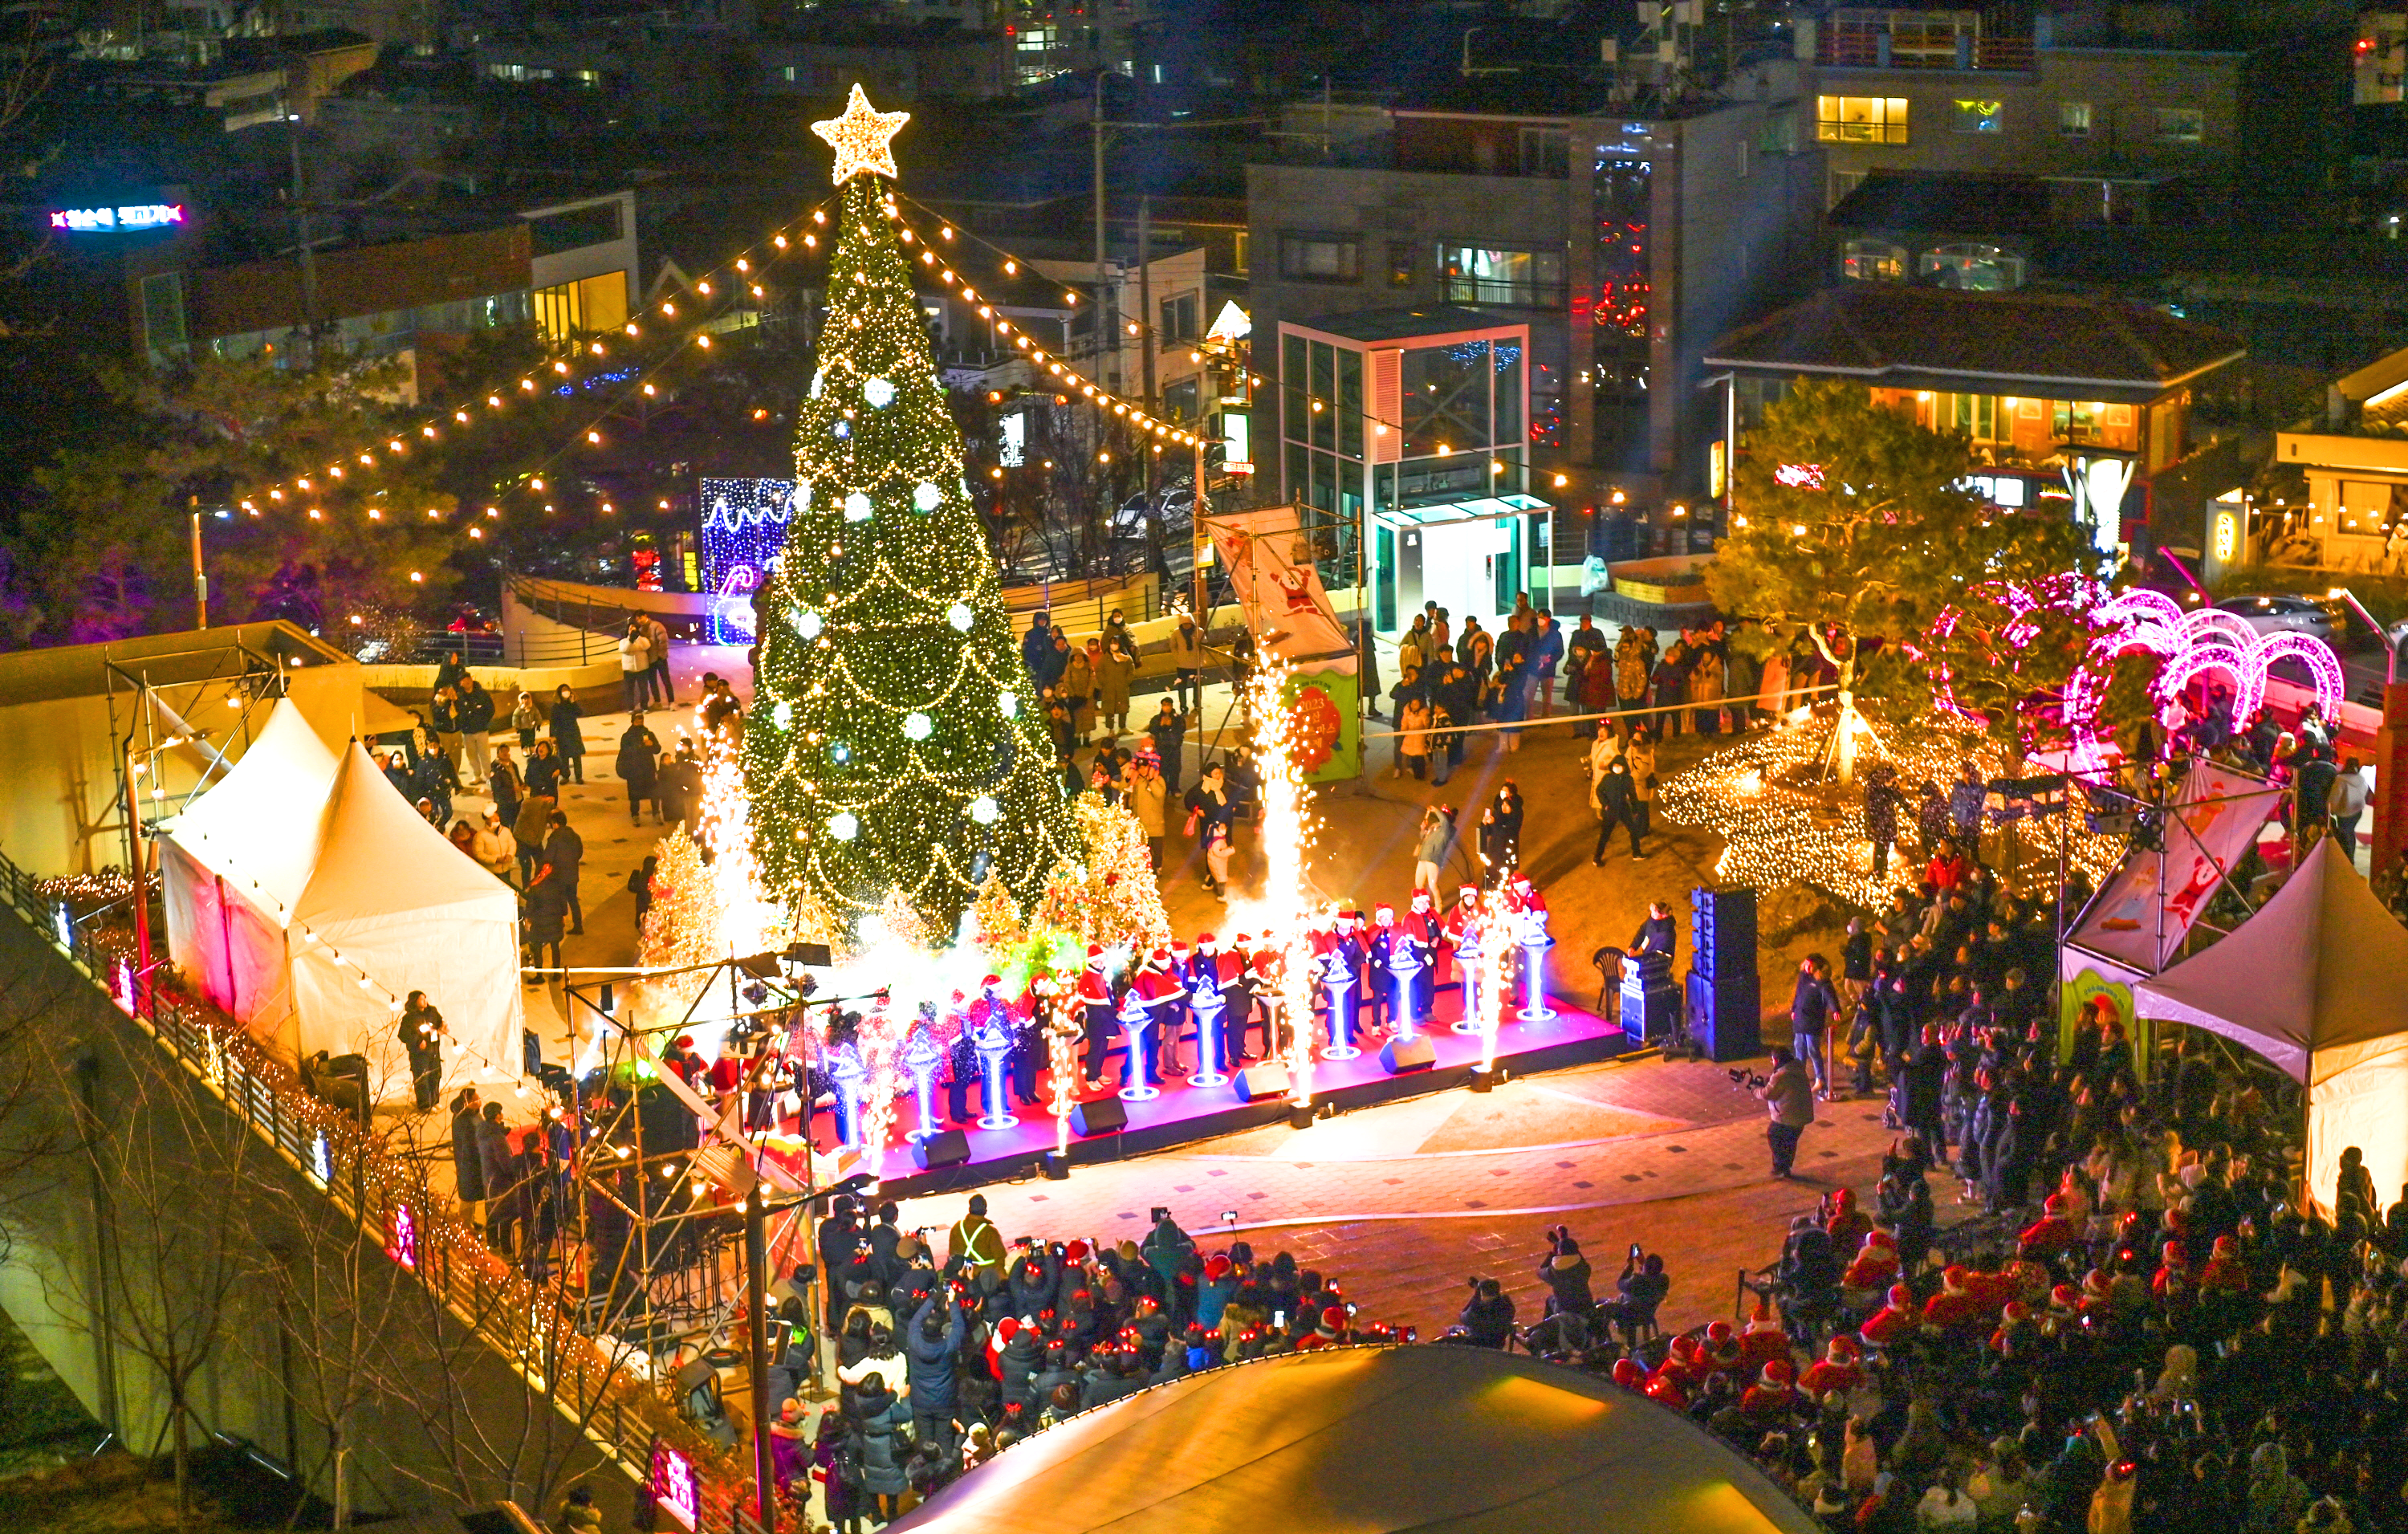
(1651, 1002)
(1401, 1058)
(1722, 929)
(1099, 1117)
(1725, 1017)
(945, 1148)
(1257, 1081)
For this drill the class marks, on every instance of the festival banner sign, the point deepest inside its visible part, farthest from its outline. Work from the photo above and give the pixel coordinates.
(2140, 919)
(1268, 556)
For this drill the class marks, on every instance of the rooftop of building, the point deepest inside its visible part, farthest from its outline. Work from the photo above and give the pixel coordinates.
(1989, 202)
(1396, 325)
(1882, 331)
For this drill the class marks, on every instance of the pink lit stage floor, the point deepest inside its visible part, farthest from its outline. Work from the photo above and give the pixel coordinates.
(1184, 1114)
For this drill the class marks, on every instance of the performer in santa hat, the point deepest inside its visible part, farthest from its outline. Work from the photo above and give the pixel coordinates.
(1096, 1002)
(1028, 1048)
(1466, 935)
(1837, 1371)
(1379, 956)
(1894, 1322)
(1341, 979)
(1267, 964)
(1172, 1023)
(1955, 1308)
(1209, 1004)
(1163, 999)
(1417, 939)
(1238, 990)
(1772, 1400)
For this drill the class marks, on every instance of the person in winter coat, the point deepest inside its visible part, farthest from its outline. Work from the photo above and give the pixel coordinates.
(472, 709)
(1022, 1355)
(495, 848)
(1435, 846)
(467, 1160)
(567, 739)
(931, 1342)
(1566, 1274)
(1078, 688)
(1616, 805)
(882, 1416)
(1412, 736)
(638, 764)
(1115, 663)
(533, 824)
(1706, 692)
(1146, 793)
(526, 719)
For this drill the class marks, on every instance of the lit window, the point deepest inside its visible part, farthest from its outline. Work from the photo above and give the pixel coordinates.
(1872, 261)
(2181, 125)
(1976, 116)
(2073, 119)
(1470, 274)
(1860, 119)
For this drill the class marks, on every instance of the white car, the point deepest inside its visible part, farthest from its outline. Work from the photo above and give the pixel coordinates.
(2282, 615)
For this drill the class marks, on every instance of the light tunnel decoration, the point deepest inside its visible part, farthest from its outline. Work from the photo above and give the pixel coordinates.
(2191, 644)
(743, 528)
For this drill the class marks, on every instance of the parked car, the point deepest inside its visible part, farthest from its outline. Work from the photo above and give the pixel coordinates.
(2282, 615)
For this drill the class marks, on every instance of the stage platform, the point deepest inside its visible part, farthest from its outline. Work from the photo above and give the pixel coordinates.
(1184, 1114)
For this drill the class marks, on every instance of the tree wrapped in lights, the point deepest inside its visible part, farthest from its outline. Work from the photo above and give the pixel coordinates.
(1853, 523)
(894, 743)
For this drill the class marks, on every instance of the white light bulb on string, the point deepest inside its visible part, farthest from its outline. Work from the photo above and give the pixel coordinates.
(818, 380)
(1009, 701)
(801, 501)
(924, 495)
(984, 810)
(960, 616)
(843, 825)
(917, 726)
(783, 714)
(879, 393)
(856, 507)
(807, 624)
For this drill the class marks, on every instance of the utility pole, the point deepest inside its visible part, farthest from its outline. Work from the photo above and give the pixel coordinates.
(302, 237)
(756, 1328)
(1107, 323)
(200, 575)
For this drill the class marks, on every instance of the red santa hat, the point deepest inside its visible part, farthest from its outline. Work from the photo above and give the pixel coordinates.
(2096, 1283)
(1075, 1253)
(2052, 1204)
(1468, 894)
(1628, 1375)
(2065, 1296)
(1901, 1297)
(1881, 1239)
(1718, 1333)
(1333, 1320)
(1841, 1349)
(684, 1040)
(2016, 1312)
(1205, 941)
(1384, 913)
(1421, 898)
(1952, 1278)
(1158, 959)
(1005, 1328)
(1216, 1265)
(990, 983)
(1095, 955)
(1178, 949)
(2225, 1246)
(1776, 1375)
(1762, 1320)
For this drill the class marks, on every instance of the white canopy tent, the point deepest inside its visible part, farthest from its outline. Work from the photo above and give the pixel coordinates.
(2313, 982)
(308, 899)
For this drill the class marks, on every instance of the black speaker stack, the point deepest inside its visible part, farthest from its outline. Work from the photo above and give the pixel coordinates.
(1725, 1002)
(1099, 1117)
(945, 1148)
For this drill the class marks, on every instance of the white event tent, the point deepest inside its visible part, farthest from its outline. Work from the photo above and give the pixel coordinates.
(2313, 982)
(308, 899)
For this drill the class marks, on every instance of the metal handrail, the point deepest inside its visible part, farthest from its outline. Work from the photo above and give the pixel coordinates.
(623, 1417)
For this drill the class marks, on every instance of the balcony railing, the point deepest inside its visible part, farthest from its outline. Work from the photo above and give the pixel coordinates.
(535, 1331)
(1884, 50)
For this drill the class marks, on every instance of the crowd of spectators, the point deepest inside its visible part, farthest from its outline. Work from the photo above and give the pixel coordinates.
(946, 1360)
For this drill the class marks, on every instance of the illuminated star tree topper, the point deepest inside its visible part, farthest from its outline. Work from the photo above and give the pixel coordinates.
(863, 137)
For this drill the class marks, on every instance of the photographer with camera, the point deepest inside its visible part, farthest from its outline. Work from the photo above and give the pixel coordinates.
(1565, 1273)
(1641, 1289)
(1486, 1319)
(1788, 1098)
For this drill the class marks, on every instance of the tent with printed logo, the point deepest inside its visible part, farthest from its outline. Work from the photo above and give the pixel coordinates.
(308, 899)
(2312, 982)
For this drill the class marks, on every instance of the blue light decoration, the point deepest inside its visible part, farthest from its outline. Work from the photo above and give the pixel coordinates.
(850, 1076)
(118, 219)
(993, 1042)
(1536, 940)
(1337, 982)
(1134, 1020)
(1204, 999)
(744, 526)
(920, 1057)
(1407, 958)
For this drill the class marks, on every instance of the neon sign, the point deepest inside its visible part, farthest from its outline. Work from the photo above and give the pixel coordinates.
(674, 1487)
(744, 525)
(88, 220)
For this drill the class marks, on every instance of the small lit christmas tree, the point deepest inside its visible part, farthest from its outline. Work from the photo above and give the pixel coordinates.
(893, 742)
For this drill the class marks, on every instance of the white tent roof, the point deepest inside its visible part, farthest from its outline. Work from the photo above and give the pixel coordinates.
(1367, 1441)
(379, 865)
(244, 830)
(2313, 982)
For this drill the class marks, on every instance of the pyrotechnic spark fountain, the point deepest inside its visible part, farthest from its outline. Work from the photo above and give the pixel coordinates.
(1493, 925)
(1288, 826)
(1062, 1056)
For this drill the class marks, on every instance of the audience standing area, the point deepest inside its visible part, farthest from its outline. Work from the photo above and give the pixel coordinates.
(2313, 982)
(1372, 1439)
(308, 899)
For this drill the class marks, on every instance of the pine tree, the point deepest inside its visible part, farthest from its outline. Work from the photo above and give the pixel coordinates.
(894, 743)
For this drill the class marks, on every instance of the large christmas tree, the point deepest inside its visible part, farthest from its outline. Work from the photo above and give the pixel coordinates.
(893, 742)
